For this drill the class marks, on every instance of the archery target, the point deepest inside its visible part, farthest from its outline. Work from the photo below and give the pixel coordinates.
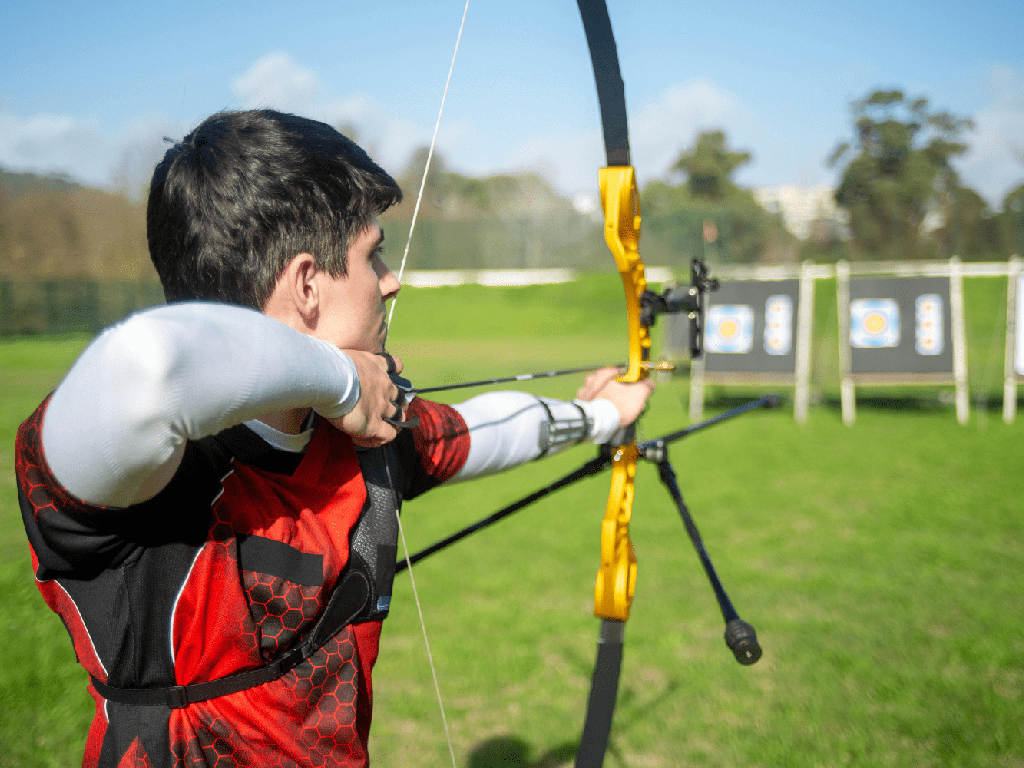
(778, 325)
(729, 329)
(928, 324)
(874, 323)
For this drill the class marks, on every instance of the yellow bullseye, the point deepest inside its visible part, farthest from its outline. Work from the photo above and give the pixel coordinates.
(874, 323)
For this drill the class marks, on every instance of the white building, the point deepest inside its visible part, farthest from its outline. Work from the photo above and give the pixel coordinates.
(801, 206)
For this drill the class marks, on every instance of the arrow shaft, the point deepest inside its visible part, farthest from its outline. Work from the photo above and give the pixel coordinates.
(508, 379)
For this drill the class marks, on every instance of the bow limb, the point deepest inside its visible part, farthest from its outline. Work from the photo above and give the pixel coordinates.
(616, 577)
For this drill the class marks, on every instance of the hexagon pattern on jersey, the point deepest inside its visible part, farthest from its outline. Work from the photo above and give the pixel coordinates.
(321, 695)
(281, 611)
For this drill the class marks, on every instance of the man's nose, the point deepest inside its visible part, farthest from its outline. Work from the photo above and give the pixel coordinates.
(389, 285)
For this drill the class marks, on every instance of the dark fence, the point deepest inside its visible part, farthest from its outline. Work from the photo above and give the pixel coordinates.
(61, 306)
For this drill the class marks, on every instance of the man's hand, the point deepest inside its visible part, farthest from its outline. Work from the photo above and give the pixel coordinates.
(629, 399)
(379, 398)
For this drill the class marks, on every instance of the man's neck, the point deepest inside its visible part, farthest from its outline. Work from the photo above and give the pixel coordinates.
(289, 422)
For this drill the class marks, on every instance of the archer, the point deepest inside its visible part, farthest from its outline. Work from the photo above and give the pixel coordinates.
(211, 494)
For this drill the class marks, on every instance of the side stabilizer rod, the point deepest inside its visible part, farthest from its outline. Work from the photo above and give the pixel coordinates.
(740, 637)
(648, 450)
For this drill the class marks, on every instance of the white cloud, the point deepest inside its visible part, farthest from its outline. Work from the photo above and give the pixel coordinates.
(388, 138)
(47, 143)
(278, 81)
(568, 158)
(665, 127)
(995, 162)
(139, 148)
(84, 150)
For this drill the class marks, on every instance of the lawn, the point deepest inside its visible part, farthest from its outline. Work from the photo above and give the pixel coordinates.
(881, 564)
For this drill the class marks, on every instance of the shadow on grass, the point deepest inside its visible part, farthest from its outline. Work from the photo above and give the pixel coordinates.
(514, 752)
(914, 403)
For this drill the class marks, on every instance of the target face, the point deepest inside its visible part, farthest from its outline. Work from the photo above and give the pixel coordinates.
(874, 323)
(928, 324)
(729, 329)
(778, 325)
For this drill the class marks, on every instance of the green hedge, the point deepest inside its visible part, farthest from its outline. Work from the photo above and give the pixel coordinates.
(61, 306)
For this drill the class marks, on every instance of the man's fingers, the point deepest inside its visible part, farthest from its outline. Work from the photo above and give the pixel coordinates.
(378, 414)
(628, 399)
(400, 419)
(595, 382)
(394, 365)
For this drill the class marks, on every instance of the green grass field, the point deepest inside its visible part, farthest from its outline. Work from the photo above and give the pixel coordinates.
(881, 564)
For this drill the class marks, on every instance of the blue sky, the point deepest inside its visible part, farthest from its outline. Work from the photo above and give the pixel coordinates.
(91, 89)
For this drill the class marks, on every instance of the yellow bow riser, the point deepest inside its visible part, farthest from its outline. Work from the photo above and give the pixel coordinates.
(616, 579)
(622, 234)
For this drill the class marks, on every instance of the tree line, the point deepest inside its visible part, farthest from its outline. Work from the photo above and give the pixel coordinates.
(899, 195)
(902, 193)
(51, 226)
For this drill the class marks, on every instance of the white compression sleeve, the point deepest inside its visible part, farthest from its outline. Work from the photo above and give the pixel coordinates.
(511, 428)
(116, 428)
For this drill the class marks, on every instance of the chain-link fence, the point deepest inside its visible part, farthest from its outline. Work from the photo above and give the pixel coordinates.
(60, 306)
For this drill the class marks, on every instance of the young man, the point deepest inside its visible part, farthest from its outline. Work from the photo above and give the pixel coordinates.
(211, 494)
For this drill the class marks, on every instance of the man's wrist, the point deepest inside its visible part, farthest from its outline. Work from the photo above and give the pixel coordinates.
(348, 385)
(604, 418)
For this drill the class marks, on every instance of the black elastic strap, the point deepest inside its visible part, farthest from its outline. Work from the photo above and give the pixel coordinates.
(346, 602)
(551, 425)
(404, 388)
(587, 424)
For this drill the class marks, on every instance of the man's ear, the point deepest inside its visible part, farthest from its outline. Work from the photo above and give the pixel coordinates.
(296, 296)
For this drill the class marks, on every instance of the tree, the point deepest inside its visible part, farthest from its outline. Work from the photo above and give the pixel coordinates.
(897, 172)
(970, 229)
(709, 166)
(708, 214)
(499, 221)
(53, 228)
(1012, 222)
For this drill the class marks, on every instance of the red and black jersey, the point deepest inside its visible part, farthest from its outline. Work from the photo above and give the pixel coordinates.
(223, 571)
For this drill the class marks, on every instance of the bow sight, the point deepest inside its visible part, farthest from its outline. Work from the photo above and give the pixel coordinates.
(684, 298)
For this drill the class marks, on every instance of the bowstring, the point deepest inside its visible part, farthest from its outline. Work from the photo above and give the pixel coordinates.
(391, 312)
(426, 168)
(419, 610)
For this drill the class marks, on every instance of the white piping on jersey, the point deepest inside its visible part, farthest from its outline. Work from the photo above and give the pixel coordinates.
(184, 581)
(174, 605)
(95, 651)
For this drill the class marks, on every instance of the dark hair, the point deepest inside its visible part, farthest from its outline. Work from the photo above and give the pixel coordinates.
(233, 202)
